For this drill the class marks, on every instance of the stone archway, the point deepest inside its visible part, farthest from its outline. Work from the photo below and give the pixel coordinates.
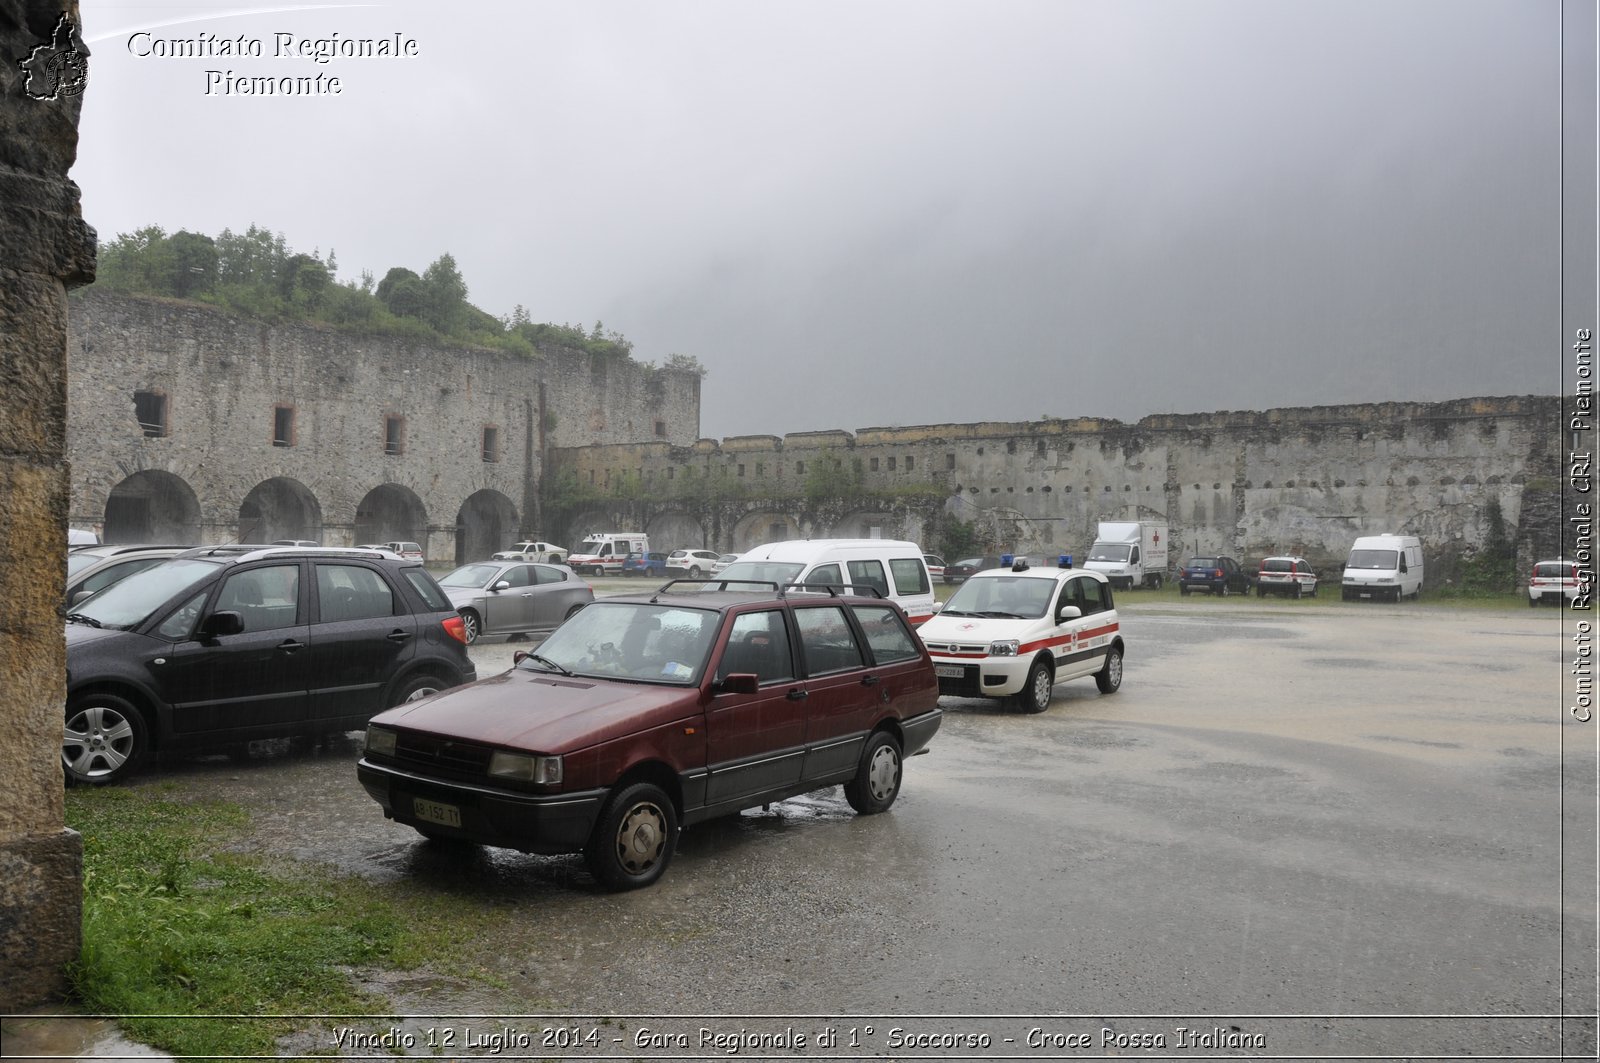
(764, 526)
(390, 512)
(486, 522)
(676, 529)
(279, 508)
(152, 507)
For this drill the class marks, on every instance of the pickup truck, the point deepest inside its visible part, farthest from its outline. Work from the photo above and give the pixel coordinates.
(530, 550)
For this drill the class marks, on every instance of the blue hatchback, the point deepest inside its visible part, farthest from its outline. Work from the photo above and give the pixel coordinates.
(638, 564)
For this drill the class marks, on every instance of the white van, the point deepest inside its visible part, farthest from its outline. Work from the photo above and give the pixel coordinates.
(1384, 566)
(892, 567)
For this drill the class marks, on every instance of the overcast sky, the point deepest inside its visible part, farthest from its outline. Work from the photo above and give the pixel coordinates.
(892, 212)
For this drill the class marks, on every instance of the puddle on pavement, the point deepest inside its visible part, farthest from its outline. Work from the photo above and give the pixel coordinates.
(57, 1037)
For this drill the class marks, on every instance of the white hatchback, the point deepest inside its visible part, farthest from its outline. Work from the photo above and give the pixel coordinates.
(1287, 575)
(1555, 581)
(1014, 632)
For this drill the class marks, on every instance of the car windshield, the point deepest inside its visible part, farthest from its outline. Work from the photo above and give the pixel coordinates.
(1109, 551)
(1546, 570)
(779, 572)
(470, 576)
(1003, 597)
(1277, 564)
(130, 602)
(1377, 559)
(631, 641)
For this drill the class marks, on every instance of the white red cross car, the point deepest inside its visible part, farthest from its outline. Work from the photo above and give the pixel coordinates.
(1014, 632)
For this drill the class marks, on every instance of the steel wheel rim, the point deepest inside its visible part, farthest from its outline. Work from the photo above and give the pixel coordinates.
(640, 837)
(420, 693)
(470, 622)
(96, 742)
(1041, 687)
(883, 774)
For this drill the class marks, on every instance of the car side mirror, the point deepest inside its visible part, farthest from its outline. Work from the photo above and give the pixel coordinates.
(739, 683)
(80, 596)
(501, 585)
(226, 622)
(1068, 612)
(938, 607)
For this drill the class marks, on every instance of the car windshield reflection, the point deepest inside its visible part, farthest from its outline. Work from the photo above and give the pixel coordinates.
(1021, 597)
(471, 576)
(639, 642)
(130, 602)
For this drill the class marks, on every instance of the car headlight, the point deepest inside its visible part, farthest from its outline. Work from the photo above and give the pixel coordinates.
(526, 767)
(380, 740)
(1005, 648)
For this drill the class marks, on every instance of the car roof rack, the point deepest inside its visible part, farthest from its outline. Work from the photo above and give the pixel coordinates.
(833, 590)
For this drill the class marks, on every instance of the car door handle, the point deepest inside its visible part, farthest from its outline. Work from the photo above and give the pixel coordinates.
(798, 694)
(399, 636)
(290, 645)
(869, 680)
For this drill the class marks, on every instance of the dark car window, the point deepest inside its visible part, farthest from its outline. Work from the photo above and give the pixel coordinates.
(180, 625)
(1085, 594)
(830, 645)
(546, 574)
(517, 576)
(352, 592)
(1202, 562)
(886, 634)
(869, 574)
(759, 643)
(267, 597)
(825, 575)
(432, 596)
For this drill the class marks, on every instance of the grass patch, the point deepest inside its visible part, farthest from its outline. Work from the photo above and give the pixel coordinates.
(202, 952)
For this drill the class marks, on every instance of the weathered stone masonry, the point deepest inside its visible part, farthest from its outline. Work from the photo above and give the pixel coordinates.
(1304, 480)
(254, 431)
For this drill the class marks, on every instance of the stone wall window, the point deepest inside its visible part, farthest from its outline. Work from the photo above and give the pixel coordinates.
(874, 464)
(799, 468)
(491, 443)
(661, 429)
(891, 464)
(150, 407)
(394, 434)
(949, 462)
(909, 463)
(283, 426)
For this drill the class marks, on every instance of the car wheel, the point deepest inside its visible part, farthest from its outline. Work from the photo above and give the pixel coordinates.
(694, 572)
(573, 611)
(1261, 592)
(1035, 693)
(1183, 589)
(1109, 677)
(1222, 590)
(471, 626)
(417, 688)
(1297, 590)
(104, 739)
(634, 839)
(877, 781)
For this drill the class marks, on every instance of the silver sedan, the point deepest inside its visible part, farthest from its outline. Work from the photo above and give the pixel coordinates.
(514, 597)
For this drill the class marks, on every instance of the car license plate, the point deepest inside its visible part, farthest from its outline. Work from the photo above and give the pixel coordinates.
(949, 671)
(434, 812)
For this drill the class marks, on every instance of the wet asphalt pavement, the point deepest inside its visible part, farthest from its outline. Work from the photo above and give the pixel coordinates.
(1288, 819)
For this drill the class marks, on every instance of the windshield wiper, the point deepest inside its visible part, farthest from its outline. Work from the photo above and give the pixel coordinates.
(83, 618)
(548, 663)
(953, 612)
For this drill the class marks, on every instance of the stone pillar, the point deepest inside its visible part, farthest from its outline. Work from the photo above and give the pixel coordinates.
(47, 249)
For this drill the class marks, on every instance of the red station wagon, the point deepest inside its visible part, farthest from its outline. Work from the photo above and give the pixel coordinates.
(646, 713)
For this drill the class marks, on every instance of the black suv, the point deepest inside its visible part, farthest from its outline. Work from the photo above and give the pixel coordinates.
(223, 645)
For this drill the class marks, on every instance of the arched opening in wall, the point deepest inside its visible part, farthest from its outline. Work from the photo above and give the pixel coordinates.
(152, 507)
(757, 529)
(280, 508)
(672, 531)
(865, 524)
(486, 522)
(390, 512)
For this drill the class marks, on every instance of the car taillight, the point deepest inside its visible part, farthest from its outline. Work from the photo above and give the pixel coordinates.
(456, 628)
(1217, 574)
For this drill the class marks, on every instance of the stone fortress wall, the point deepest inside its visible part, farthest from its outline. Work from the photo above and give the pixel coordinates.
(271, 431)
(385, 440)
(1304, 480)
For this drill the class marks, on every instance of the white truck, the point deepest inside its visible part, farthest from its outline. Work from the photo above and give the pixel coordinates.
(1130, 553)
(532, 550)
